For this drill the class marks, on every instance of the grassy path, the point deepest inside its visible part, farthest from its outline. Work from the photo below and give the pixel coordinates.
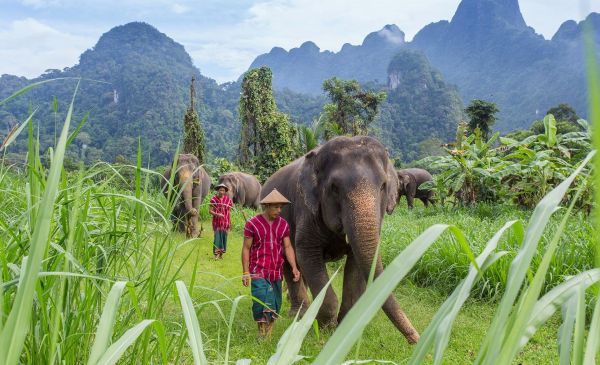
(218, 283)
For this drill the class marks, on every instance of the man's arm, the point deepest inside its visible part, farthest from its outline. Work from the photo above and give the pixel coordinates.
(291, 257)
(246, 260)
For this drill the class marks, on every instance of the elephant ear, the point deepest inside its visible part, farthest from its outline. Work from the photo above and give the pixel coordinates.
(391, 188)
(307, 182)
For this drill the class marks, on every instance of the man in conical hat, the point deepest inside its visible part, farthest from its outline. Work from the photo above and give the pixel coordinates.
(220, 206)
(266, 241)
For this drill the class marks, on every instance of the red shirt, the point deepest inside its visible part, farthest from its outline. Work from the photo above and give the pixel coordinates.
(266, 252)
(221, 206)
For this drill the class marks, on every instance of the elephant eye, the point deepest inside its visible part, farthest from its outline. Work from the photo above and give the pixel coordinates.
(334, 189)
(383, 187)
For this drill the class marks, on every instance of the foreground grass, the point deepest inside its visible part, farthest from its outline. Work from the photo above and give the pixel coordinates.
(380, 341)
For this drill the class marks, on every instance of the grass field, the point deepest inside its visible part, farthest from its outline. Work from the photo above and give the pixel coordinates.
(380, 341)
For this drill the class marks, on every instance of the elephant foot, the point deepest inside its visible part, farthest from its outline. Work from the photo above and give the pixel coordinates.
(329, 324)
(412, 337)
(297, 310)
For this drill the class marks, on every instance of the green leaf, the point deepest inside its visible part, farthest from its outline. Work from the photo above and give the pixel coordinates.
(17, 325)
(116, 350)
(191, 322)
(107, 323)
(290, 342)
(363, 311)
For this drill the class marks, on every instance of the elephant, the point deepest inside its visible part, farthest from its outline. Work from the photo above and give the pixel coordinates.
(409, 182)
(244, 189)
(194, 183)
(340, 192)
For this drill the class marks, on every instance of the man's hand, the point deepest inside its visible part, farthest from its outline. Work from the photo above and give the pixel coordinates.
(296, 274)
(246, 279)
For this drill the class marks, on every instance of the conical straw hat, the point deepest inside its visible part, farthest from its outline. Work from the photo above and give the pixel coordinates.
(221, 186)
(274, 197)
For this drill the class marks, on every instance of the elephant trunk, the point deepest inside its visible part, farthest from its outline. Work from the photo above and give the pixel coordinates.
(187, 194)
(363, 229)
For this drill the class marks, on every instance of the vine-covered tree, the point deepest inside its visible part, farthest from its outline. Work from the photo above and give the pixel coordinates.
(351, 110)
(482, 115)
(193, 135)
(266, 134)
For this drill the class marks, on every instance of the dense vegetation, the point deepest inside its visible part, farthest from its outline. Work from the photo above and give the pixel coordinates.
(266, 134)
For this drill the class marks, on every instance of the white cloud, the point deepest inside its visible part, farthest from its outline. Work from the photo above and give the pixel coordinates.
(179, 9)
(37, 4)
(224, 53)
(29, 47)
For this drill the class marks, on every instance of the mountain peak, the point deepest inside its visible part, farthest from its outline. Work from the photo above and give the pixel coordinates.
(136, 39)
(389, 34)
(484, 15)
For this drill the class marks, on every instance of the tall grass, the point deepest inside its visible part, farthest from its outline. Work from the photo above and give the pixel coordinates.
(88, 275)
(67, 239)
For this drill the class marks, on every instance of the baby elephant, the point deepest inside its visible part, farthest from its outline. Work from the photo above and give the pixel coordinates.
(244, 189)
(409, 182)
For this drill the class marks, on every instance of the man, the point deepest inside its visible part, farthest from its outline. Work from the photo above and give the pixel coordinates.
(220, 206)
(266, 241)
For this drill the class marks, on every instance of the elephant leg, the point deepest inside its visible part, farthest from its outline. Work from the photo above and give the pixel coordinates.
(311, 261)
(354, 286)
(409, 200)
(425, 201)
(297, 294)
(195, 229)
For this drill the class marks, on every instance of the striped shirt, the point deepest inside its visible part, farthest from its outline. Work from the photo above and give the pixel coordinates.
(222, 206)
(266, 252)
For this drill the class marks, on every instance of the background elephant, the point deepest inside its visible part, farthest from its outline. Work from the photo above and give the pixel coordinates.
(409, 182)
(194, 183)
(244, 189)
(340, 189)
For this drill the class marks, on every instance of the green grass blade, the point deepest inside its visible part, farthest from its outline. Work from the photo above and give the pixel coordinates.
(17, 325)
(78, 128)
(13, 135)
(554, 299)
(439, 328)
(565, 332)
(34, 85)
(191, 322)
(234, 306)
(289, 345)
(350, 330)
(494, 341)
(593, 340)
(511, 345)
(107, 322)
(116, 350)
(579, 335)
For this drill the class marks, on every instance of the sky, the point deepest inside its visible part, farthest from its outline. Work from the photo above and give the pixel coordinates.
(224, 36)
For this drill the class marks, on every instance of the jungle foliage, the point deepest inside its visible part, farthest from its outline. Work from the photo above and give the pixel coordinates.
(476, 169)
(266, 134)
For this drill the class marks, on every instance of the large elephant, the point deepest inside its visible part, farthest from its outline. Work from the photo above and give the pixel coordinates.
(244, 189)
(340, 192)
(409, 182)
(194, 183)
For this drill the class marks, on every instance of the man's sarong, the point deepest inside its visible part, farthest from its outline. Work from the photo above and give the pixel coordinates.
(268, 293)
(220, 242)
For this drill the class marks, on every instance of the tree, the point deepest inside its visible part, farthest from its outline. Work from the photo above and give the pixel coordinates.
(266, 134)
(351, 110)
(564, 113)
(193, 135)
(482, 116)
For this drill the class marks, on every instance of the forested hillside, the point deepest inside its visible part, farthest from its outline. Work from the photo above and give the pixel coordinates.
(136, 83)
(486, 50)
